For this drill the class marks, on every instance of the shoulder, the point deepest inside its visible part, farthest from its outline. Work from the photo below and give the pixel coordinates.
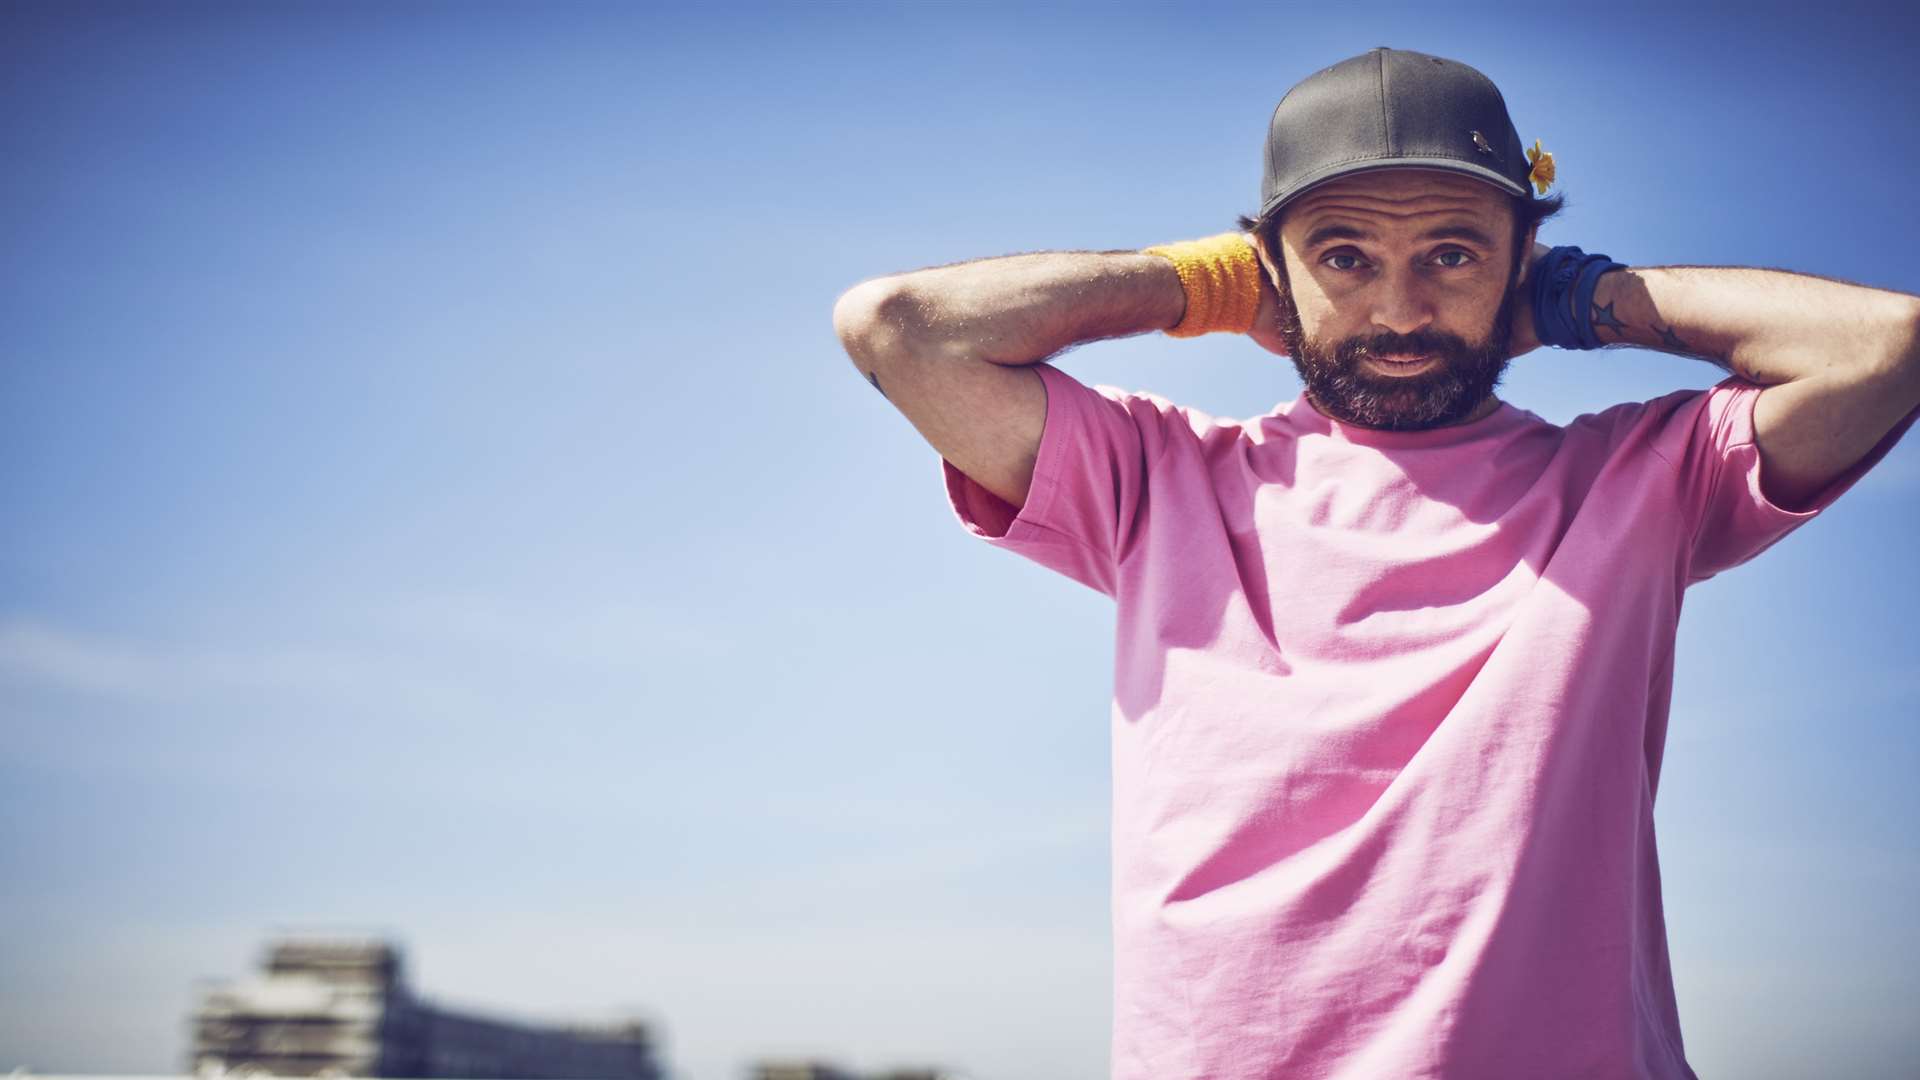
(1159, 420)
(1665, 427)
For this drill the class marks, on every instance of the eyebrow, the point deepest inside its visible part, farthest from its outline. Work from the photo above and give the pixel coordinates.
(1445, 232)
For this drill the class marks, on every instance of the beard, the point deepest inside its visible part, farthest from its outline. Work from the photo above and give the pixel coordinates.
(1341, 385)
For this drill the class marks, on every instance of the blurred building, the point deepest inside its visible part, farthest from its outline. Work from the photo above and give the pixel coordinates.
(815, 1070)
(342, 1008)
(798, 1070)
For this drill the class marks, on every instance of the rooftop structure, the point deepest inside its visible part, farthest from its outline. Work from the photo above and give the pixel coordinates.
(342, 1008)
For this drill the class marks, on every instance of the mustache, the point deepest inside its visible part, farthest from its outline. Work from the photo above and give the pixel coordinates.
(1378, 347)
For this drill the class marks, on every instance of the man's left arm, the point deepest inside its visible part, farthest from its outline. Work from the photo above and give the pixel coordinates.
(1839, 361)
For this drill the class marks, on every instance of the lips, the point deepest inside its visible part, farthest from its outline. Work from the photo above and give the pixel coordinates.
(1401, 364)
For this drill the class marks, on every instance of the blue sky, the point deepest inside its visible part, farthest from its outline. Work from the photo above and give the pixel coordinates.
(435, 502)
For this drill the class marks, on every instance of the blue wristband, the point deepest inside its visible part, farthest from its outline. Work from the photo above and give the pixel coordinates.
(1559, 319)
(1583, 299)
(1552, 275)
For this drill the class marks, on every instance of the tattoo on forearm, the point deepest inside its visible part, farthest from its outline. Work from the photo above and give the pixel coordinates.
(874, 378)
(1671, 341)
(1603, 317)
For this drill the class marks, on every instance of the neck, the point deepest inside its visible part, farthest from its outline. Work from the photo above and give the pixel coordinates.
(1485, 409)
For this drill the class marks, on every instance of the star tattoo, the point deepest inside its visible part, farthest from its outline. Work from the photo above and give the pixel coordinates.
(1603, 316)
(875, 380)
(1671, 341)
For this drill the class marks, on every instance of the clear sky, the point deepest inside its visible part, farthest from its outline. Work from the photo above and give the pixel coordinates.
(434, 501)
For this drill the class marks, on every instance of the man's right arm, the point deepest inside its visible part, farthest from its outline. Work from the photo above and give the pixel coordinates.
(951, 346)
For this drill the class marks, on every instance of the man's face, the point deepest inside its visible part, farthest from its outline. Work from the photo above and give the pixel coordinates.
(1363, 281)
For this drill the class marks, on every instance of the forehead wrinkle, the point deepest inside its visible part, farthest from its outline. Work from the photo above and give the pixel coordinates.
(1456, 231)
(1399, 194)
(1419, 202)
(1395, 221)
(1474, 213)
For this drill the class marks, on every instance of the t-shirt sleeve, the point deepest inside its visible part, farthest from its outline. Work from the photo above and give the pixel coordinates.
(1711, 442)
(1089, 483)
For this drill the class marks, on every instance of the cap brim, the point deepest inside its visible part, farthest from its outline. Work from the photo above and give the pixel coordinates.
(1462, 168)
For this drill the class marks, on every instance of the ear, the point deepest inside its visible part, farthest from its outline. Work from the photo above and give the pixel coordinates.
(1526, 257)
(1266, 259)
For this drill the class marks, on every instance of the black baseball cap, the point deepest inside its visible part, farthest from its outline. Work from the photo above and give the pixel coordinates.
(1390, 108)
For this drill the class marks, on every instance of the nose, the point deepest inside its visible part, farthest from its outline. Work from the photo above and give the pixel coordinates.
(1401, 303)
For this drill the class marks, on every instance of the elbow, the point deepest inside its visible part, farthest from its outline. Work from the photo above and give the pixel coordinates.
(857, 310)
(875, 319)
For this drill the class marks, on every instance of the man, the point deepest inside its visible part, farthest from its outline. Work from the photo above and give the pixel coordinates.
(1394, 660)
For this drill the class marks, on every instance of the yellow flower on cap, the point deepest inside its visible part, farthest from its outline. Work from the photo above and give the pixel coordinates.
(1542, 172)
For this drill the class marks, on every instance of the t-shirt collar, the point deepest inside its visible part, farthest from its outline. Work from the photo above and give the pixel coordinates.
(1301, 415)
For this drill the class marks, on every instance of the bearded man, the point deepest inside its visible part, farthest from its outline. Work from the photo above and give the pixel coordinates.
(1394, 660)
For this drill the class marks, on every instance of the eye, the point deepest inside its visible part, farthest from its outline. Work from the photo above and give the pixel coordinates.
(1467, 258)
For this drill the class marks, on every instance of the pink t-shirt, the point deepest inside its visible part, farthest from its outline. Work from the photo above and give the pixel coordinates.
(1388, 717)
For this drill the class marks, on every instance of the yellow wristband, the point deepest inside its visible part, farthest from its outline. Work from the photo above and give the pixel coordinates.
(1221, 276)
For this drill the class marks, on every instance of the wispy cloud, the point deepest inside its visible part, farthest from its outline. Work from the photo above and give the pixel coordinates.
(35, 651)
(440, 651)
